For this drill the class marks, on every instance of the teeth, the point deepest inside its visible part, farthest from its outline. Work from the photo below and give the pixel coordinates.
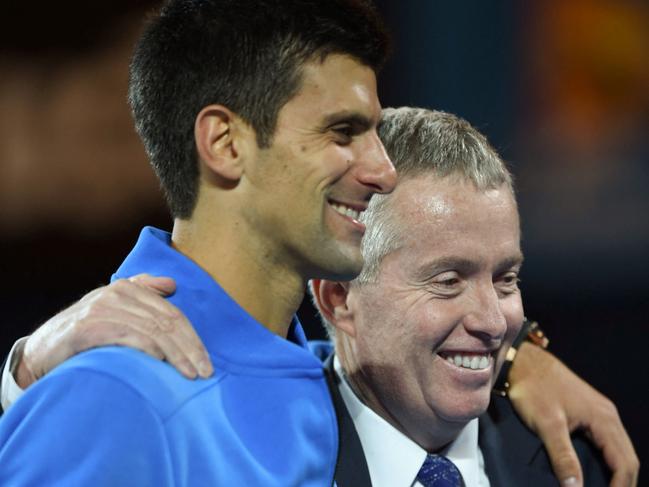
(474, 362)
(346, 211)
(484, 362)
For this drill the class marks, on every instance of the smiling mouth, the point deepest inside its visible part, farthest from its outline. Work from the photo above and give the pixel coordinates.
(473, 361)
(346, 210)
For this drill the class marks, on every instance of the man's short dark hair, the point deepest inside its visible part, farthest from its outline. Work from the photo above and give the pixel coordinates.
(244, 54)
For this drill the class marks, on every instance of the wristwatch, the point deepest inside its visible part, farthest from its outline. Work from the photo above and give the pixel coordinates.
(530, 332)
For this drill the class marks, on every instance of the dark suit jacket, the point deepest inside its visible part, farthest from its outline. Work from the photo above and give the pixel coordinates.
(514, 456)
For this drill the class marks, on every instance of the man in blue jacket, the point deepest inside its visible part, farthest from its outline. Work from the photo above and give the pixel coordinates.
(259, 118)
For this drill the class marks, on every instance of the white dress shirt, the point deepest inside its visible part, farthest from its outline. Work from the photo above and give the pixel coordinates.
(393, 459)
(10, 392)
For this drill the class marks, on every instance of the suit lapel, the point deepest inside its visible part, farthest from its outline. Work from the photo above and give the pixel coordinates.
(351, 467)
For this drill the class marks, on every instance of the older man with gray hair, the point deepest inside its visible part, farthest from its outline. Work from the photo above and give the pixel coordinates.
(422, 333)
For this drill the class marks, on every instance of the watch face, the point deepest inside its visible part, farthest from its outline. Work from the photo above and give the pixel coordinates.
(536, 335)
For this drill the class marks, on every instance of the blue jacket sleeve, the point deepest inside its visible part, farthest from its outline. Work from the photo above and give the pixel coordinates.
(83, 427)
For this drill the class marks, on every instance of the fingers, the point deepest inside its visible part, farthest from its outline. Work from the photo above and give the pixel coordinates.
(131, 330)
(625, 478)
(555, 434)
(608, 433)
(160, 346)
(625, 470)
(552, 400)
(192, 347)
(162, 285)
(168, 328)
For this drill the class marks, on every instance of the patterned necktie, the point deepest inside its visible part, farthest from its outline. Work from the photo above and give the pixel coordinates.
(439, 471)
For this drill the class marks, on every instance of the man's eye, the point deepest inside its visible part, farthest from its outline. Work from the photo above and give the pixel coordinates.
(510, 281)
(447, 285)
(447, 280)
(344, 133)
(450, 282)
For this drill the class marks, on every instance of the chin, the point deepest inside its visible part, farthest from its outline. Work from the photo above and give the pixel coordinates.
(347, 265)
(341, 273)
(464, 409)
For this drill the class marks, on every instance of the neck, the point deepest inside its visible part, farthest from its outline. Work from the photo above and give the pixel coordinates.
(268, 291)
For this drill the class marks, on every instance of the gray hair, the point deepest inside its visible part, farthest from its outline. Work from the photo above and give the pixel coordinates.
(419, 142)
(424, 142)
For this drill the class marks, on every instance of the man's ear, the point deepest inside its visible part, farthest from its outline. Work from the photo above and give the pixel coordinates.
(222, 139)
(331, 300)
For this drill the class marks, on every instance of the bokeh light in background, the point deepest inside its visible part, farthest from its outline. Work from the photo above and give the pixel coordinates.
(70, 158)
(560, 88)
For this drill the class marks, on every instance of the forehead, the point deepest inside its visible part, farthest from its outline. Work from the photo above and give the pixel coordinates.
(444, 217)
(337, 86)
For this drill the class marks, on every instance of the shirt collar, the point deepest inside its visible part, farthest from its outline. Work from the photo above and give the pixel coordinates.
(392, 458)
(229, 333)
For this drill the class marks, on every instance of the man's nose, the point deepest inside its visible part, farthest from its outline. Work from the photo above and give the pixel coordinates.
(376, 168)
(486, 318)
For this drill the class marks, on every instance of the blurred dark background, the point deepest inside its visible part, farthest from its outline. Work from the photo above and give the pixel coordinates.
(560, 88)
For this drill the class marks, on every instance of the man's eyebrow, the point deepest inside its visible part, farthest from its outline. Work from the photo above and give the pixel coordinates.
(463, 266)
(508, 263)
(356, 119)
(434, 267)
